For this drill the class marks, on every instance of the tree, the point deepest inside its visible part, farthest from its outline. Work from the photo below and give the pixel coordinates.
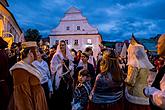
(32, 35)
(156, 37)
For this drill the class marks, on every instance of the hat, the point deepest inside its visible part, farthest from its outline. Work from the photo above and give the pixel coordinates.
(29, 44)
(133, 40)
(3, 43)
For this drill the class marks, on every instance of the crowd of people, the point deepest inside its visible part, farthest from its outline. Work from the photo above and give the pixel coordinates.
(32, 78)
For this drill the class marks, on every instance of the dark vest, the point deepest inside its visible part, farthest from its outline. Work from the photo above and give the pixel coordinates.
(156, 84)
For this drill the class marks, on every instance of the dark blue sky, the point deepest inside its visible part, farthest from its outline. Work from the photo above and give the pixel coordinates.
(115, 19)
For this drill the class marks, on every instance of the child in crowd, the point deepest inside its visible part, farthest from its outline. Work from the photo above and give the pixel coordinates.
(82, 91)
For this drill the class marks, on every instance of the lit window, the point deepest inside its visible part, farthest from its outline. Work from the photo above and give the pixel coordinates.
(89, 41)
(75, 42)
(78, 27)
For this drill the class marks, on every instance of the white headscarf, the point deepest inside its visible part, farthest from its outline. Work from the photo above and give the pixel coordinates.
(56, 66)
(68, 53)
(137, 57)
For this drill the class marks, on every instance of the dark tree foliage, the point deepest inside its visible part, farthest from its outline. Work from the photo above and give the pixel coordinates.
(32, 35)
(156, 37)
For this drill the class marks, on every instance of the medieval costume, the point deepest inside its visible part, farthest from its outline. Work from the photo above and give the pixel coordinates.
(136, 80)
(107, 93)
(46, 81)
(62, 68)
(28, 93)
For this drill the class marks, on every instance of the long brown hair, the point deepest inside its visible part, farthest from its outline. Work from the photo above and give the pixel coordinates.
(110, 64)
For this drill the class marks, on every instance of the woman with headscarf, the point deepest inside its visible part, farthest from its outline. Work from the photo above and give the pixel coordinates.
(107, 93)
(28, 93)
(136, 80)
(62, 70)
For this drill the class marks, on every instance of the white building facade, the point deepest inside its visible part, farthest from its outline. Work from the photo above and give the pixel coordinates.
(76, 31)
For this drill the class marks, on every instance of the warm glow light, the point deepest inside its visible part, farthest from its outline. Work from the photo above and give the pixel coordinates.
(1, 27)
(9, 40)
(89, 41)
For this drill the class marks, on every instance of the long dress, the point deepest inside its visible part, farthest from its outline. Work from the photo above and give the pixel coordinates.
(63, 87)
(46, 82)
(63, 95)
(28, 93)
(136, 80)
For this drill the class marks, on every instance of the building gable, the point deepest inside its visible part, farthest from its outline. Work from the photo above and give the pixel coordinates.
(74, 23)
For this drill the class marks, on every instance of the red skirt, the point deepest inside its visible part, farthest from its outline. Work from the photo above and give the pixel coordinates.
(119, 105)
(132, 106)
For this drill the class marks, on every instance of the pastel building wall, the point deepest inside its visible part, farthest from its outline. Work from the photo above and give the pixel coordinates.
(76, 31)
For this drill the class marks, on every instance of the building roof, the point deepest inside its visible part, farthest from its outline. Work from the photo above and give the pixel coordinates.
(73, 14)
(4, 2)
(74, 23)
(73, 10)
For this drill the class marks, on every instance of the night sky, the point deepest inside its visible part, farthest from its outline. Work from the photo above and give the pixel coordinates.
(115, 19)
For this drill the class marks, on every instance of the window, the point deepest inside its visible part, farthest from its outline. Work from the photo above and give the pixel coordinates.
(8, 26)
(67, 28)
(75, 42)
(66, 41)
(78, 27)
(89, 42)
(56, 42)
